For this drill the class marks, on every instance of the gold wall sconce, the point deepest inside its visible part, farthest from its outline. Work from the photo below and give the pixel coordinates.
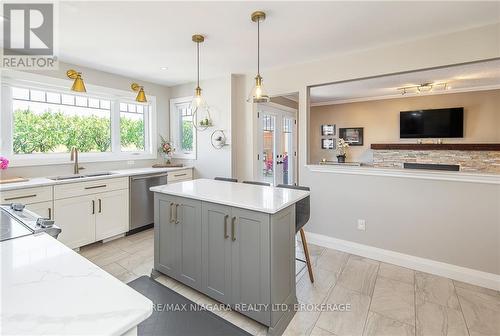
(78, 84)
(141, 96)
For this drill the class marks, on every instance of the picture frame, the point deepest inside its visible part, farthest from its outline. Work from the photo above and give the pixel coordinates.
(328, 143)
(328, 130)
(352, 135)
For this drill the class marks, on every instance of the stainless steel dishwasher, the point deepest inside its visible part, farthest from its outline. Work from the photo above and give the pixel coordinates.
(142, 199)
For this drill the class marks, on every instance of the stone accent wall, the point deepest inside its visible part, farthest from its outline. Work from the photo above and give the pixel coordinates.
(470, 161)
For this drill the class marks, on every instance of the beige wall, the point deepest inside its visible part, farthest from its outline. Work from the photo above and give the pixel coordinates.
(466, 228)
(380, 120)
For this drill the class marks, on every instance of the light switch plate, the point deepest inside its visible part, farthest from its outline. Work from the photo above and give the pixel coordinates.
(361, 224)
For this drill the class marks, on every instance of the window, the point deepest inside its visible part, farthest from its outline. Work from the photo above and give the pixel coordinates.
(41, 126)
(132, 127)
(183, 133)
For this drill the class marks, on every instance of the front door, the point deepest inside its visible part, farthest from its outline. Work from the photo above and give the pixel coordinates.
(277, 145)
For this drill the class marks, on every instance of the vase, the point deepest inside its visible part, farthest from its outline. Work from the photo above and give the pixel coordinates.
(167, 158)
(341, 158)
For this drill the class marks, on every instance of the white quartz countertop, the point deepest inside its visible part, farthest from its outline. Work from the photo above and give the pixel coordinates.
(48, 289)
(252, 197)
(45, 181)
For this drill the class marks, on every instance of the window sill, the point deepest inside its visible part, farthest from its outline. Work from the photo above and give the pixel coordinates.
(184, 156)
(57, 159)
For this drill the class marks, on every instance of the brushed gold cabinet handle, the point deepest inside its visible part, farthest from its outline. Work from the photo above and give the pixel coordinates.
(171, 212)
(233, 228)
(50, 213)
(95, 187)
(225, 226)
(93, 207)
(177, 214)
(19, 197)
(179, 175)
(100, 207)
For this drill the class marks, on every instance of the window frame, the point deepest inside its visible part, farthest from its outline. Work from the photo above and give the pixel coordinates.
(44, 83)
(175, 129)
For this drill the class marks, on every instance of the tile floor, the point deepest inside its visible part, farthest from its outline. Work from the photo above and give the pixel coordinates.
(384, 299)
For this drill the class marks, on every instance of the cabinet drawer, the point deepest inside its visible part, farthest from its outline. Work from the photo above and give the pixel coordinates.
(90, 187)
(180, 175)
(27, 196)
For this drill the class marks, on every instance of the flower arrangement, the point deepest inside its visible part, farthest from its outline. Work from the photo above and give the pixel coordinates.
(342, 146)
(4, 162)
(166, 149)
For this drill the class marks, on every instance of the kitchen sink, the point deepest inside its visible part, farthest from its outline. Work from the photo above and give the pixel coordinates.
(74, 176)
(99, 174)
(67, 177)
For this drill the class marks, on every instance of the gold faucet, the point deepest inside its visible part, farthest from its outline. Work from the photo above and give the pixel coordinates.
(74, 157)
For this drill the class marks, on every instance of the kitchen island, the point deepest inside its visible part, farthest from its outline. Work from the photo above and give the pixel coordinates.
(233, 242)
(48, 289)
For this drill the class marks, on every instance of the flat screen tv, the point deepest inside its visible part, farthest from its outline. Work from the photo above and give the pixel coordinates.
(435, 123)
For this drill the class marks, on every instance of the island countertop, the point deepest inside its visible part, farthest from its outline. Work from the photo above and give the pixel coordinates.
(49, 289)
(247, 196)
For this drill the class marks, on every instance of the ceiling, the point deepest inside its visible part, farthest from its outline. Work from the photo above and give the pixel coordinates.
(138, 38)
(466, 77)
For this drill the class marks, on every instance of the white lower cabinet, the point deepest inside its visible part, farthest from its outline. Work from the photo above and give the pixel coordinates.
(97, 210)
(76, 218)
(37, 199)
(43, 209)
(112, 214)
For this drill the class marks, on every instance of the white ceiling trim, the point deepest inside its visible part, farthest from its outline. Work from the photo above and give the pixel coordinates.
(409, 95)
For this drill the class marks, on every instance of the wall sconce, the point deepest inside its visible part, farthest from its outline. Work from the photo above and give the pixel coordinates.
(78, 84)
(141, 96)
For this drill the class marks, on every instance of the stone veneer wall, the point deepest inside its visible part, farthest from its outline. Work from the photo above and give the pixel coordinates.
(470, 161)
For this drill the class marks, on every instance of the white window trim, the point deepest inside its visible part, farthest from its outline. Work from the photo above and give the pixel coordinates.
(35, 81)
(174, 130)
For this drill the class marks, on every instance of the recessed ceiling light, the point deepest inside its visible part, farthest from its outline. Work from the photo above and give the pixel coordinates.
(163, 68)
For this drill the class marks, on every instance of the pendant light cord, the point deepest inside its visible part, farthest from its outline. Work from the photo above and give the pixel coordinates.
(258, 47)
(198, 63)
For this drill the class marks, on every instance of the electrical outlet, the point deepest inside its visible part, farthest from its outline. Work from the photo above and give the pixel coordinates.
(130, 162)
(361, 224)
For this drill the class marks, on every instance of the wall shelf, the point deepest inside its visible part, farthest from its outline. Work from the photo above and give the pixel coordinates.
(448, 146)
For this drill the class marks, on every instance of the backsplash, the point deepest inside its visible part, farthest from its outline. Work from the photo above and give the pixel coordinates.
(487, 162)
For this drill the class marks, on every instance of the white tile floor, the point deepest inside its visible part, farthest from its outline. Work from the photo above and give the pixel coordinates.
(385, 299)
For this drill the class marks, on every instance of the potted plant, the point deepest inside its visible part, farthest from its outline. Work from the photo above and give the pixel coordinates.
(342, 146)
(166, 149)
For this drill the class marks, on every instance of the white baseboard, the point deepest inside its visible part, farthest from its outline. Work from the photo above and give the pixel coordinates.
(475, 277)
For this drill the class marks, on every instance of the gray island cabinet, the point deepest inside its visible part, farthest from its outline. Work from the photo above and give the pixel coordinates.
(232, 242)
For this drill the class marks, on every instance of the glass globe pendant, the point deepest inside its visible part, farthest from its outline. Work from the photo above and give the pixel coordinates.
(258, 93)
(199, 107)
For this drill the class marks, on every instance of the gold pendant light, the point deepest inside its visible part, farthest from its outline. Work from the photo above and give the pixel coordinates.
(258, 93)
(199, 107)
(141, 96)
(78, 84)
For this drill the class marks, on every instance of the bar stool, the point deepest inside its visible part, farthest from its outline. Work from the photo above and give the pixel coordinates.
(258, 183)
(227, 179)
(302, 215)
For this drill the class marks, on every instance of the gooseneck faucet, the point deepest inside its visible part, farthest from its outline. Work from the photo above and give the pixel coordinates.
(74, 157)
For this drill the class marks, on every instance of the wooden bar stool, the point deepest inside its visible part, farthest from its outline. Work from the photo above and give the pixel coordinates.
(302, 215)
